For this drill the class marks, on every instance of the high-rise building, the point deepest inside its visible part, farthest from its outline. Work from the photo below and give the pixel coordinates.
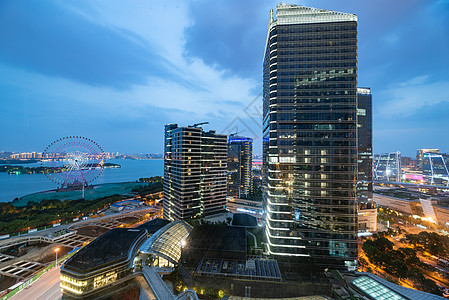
(194, 172)
(419, 157)
(367, 211)
(365, 144)
(310, 140)
(240, 161)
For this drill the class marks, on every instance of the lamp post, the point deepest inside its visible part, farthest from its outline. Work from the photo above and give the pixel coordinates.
(56, 251)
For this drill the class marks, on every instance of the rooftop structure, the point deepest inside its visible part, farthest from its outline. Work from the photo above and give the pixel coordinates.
(243, 220)
(218, 242)
(380, 289)
(167, 242)
(154, 225)
(105, 260)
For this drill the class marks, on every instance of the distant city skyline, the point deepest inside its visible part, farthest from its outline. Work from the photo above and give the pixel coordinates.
(118, 73)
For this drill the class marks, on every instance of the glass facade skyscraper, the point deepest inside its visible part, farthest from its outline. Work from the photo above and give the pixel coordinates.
(194, 172)
(365, 144)
(240, 164)
(310, 140)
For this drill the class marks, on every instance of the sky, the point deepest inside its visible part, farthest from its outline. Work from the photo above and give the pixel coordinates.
(118, 71)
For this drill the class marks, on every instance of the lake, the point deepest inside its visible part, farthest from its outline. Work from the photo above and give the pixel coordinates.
(16, 186)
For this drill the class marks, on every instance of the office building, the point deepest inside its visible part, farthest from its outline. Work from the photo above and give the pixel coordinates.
(365, 144)
(240, 161)
(367, 212)
(420, 154)
(194, 172)
(310, 136)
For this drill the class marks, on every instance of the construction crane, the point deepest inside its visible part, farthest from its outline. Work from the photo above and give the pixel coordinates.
(232, 135)
(198, 124)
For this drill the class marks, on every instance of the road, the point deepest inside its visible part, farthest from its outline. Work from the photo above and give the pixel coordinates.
(46, 288)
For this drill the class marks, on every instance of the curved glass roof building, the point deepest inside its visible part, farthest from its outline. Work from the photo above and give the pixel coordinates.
(168, 241)
(310, 135)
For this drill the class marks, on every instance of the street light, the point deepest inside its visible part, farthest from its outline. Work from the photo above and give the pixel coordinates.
(56, 251)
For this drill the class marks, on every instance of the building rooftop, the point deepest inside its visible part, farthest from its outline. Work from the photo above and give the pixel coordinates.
(243, 220)
(218, 238)
(112, 247)
(167, 241)
(154, 225)
(379, 288)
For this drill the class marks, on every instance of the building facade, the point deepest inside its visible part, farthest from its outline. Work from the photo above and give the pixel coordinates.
(367, 211)
(310, 135)
(387, 167)
(435, 168)
(194, 172)
(420, 157)
(365, 144)
(240, 161)
(106, 260)
(367, 217)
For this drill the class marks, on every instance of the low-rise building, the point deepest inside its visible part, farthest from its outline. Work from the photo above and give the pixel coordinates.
(367, 217)
(107, 259)
(407, 206)
(252, 207)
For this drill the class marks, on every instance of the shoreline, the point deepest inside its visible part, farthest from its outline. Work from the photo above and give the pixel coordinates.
(100, 189)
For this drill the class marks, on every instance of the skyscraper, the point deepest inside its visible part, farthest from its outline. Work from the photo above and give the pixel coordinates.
(365, 144)
(367, 211)
(240, 164)
(310, 141)
(194, 172)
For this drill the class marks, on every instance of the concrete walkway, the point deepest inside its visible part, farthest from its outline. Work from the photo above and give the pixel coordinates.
(161, 290)
(157, 284)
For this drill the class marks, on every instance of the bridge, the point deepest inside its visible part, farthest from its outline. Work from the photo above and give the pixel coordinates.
(160, 289)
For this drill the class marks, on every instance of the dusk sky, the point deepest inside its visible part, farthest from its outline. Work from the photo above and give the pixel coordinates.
(118, 71)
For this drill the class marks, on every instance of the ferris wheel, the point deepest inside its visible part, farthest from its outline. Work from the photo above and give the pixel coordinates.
(73, 162)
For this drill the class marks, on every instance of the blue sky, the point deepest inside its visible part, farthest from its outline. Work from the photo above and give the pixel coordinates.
(118, 71)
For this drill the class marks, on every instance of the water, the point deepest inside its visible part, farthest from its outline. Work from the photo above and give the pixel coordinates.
(16, 186)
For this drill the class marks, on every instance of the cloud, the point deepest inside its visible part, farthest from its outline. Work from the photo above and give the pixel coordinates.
(131, 71)
(230, 34)
(418, 80)
(407, 98)
(51, 40)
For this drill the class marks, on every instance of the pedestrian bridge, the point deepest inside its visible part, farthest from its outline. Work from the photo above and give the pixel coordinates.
(160, 289)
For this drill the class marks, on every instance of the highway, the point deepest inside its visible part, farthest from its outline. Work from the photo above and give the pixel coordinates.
(45, 288)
